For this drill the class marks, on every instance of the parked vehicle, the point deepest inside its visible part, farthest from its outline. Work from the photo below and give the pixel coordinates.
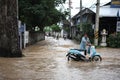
(65, 36)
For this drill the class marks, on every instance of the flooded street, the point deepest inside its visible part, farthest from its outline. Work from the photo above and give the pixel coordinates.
(46, 60)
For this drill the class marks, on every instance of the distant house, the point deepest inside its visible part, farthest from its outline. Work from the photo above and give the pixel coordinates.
(84, 16)
(107, 17)
(65, 28)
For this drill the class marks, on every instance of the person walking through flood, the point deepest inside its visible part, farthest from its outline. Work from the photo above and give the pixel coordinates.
(84, 42)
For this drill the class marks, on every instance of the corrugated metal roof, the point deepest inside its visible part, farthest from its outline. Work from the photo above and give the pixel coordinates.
(107, 11)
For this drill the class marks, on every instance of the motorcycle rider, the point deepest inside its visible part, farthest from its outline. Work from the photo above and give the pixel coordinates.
(84, 42)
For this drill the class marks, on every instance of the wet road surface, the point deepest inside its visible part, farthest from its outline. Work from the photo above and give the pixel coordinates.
(46, 60)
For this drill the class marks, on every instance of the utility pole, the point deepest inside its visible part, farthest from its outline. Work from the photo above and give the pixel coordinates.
(70, 9)
(97, 23)
(70, 17)
(80, 14)
(80, 5)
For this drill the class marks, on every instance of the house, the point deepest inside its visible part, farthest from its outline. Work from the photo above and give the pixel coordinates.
(65, 28)
(107, 17)
(84, 16)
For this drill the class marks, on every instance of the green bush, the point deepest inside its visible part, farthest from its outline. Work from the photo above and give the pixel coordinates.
(114, 41)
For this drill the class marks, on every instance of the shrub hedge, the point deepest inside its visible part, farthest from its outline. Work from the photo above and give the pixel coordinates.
(114, 40)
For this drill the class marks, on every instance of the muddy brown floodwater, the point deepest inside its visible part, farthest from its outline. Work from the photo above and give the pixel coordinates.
(46, 60)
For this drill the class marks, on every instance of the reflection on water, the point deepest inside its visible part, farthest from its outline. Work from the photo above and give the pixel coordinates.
(46, 60)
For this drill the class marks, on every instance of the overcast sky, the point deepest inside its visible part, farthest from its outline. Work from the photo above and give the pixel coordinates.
(86, 3)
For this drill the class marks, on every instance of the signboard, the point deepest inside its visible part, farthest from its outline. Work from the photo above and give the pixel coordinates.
(115, 3)
(118, 26)
(22, 28)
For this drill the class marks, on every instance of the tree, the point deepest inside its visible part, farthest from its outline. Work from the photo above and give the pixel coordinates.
(47, 29)
(39, 12)
(55, 28)
(9, 38)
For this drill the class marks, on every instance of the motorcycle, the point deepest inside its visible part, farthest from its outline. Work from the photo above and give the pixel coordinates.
(80, 55)
(65, 36)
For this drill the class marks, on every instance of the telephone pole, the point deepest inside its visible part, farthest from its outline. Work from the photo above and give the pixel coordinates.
(97, 23)
(80, 5)
(70, 18)
(80, 13)
(70, 9)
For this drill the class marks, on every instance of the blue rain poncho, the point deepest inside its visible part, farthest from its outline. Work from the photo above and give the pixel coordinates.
(84, 42)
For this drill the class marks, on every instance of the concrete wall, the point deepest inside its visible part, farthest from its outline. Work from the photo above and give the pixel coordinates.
(35, 37)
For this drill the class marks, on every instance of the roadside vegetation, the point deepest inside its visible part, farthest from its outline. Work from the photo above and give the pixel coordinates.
(114, 40)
